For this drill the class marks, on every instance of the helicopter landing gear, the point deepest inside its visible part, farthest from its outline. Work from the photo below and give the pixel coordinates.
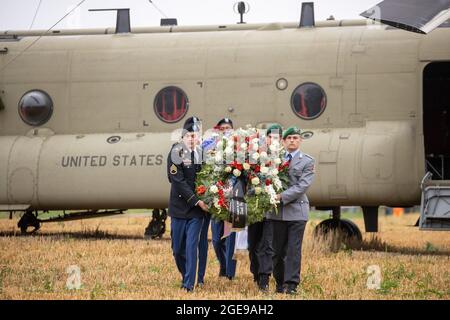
(157, 225)
(29, 220)
(344, 227)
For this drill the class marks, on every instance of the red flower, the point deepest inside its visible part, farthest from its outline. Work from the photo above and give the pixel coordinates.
(201, 190)
(222, 202)
(220, 184)
(257, 168)
(236, 165)
(283, 166)
(268, 182)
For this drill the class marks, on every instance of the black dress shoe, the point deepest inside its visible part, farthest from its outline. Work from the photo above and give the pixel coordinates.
(279, 289)
(263, 283)
(291, 289)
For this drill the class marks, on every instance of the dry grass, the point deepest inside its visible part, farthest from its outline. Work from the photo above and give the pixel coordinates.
(118, 263)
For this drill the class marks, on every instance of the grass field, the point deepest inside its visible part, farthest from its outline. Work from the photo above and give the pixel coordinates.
(116, 262)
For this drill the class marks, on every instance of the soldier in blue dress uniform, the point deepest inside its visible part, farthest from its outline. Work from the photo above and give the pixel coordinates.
(186, 211)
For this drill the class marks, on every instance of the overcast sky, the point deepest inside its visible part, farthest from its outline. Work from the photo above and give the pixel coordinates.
(19, 14)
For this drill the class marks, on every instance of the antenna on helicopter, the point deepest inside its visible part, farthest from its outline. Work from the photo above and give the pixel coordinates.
(242, 8)
(164, 21)
(122, 20)
(168, 22)
(307, 15)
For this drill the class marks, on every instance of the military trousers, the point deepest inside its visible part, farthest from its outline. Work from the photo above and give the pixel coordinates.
(185, 234)
(281, 250)
(203, 249)
(255, 237)
(287, 251)
(224, 249)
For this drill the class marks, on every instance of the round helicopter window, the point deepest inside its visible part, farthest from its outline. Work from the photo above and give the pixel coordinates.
(308, 101)
(35, 107)
(171, 104)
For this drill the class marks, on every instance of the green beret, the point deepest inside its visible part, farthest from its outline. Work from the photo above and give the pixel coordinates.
(290, 131)
(276, 128)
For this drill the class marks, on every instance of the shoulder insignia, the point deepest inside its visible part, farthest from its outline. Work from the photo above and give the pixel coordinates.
(308, 156)
(173, 169)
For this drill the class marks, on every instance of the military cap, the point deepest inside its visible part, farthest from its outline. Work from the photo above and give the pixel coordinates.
(225, 121)
(192, 124)
(291, 131)
(275, 128)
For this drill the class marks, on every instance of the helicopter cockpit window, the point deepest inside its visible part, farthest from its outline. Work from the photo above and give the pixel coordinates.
(35, 107)
(308, 101)
(171, 104)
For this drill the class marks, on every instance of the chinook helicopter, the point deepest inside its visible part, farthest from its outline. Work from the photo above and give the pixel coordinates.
(87, 115)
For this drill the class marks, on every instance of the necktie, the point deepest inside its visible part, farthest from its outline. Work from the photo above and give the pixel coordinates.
(195, 157)
(289, 158)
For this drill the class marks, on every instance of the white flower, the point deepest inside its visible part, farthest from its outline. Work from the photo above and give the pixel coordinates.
(209, 158)
(263, 154)
(277, 161)
(274, 172)
(272, 195)
(229, 150)
(255, 156)
(216, 203)
(277, 183)
(236, 172)
(246, 166)
(228, 169)
(273, 148)
(219, 145)
(244, 146)
(255, 141)
(264, 170)
(255, 147)
(230, 143)
(219, 157)
(258, 190)
(255, 181)
(214, 189)
(275, 143)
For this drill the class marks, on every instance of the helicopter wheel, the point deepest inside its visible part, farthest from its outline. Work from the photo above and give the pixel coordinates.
(157, 226)
(345, 227)
(28, 220)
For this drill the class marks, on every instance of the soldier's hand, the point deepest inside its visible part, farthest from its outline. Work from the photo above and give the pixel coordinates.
(203, 206)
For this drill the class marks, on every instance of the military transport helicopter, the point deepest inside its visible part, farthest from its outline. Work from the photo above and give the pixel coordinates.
(86, 115)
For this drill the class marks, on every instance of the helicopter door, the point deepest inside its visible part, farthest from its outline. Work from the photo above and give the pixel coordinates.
(436, 119)
(412, 15)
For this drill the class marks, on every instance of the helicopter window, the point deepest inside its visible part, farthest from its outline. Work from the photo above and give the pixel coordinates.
(35, 107)
(171, 104)
(308, 101)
